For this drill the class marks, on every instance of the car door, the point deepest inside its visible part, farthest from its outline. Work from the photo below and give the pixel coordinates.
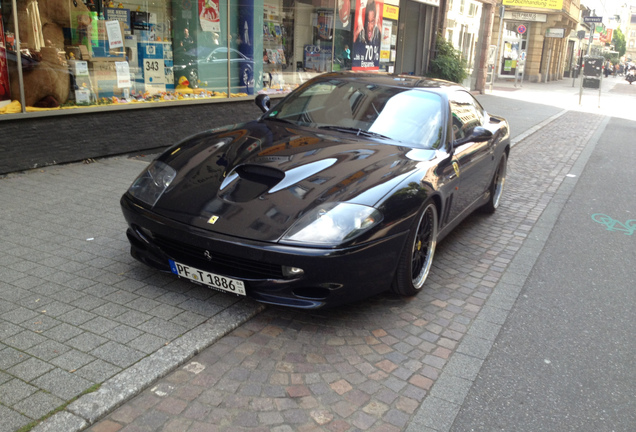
(475, 158)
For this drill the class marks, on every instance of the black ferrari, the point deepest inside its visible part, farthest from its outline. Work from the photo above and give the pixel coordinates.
(338, 192)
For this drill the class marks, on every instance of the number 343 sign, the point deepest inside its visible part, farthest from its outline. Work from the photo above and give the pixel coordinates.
(154, 71)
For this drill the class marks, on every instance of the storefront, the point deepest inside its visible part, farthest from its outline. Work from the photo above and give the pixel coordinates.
(514, 41)
(87, 53)
(94, 69)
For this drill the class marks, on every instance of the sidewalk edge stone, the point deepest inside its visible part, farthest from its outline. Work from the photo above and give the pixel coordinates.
(91, 407)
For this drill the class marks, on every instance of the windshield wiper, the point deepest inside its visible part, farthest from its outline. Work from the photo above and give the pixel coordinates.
(356, 131)
(282, 120)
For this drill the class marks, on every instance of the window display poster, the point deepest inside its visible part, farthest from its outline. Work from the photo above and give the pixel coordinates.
(344, 15)
(139, 20)
(210, 15)
(115, 38)
(317, 58)
(4, 71)
(123, 74)
(246, 43)
(367, 36)
(323, 24)
(385, 46)
(119, 14)
(151, 59)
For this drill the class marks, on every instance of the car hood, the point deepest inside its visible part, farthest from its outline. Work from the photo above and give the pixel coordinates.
(256, 179)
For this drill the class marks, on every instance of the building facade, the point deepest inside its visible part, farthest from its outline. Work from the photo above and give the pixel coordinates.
(81, 73)
(533, 42)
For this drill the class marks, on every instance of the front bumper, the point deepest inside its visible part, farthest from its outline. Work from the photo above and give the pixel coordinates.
(330, 276)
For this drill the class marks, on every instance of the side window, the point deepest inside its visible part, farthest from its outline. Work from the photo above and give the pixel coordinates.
(466, 114)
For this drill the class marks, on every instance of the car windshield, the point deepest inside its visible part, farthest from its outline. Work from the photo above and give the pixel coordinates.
(410, 116)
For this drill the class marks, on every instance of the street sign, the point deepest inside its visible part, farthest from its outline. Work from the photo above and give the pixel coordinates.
(592, 19)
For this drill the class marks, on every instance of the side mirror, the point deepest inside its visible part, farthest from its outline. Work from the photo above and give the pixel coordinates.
(262, 101)
(478, 133)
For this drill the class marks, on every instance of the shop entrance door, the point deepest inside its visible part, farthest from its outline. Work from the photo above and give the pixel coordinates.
(414, 38)
(513, 47)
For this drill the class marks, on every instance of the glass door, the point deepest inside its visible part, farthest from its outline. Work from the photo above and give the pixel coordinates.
(513, 48)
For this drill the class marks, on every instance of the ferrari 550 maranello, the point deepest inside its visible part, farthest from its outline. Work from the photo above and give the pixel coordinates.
(338, 192)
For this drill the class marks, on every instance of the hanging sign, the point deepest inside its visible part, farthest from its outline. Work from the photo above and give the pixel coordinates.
(210, 15)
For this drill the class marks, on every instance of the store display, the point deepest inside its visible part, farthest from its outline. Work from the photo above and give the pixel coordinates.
(4, 70)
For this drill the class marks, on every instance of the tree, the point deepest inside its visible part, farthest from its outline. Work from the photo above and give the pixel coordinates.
(619, 42)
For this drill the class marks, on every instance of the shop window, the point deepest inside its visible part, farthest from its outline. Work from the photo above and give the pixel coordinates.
(87, 53)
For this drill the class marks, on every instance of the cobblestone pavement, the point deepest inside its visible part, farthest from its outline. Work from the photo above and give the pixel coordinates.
(371, 365)
(75, 308)
(77, 313)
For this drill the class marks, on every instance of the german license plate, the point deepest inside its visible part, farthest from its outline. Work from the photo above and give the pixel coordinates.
(210, 279)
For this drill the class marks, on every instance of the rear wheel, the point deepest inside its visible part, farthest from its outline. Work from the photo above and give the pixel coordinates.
(417, 256)
(497, 186)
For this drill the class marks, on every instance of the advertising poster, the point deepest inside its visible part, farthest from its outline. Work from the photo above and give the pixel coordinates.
(119, 14)
(323, 24)
(344, 15)
(385, 45)
(246, 44)
(367, 35)
(604, 35)
(4, 72)
(210, 15)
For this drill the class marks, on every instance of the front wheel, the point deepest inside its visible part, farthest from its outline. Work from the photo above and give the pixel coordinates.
(417, 256)
(497, 186)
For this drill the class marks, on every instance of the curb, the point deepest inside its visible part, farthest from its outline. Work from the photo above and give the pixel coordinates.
(91, 407)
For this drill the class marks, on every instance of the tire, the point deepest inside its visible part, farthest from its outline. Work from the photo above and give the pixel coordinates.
(497, 186)
(417, 256)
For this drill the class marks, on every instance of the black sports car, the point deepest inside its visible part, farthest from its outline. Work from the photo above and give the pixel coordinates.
(338, 192)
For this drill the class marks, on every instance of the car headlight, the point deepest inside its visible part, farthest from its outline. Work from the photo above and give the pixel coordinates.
(152, 183)
(332, 224)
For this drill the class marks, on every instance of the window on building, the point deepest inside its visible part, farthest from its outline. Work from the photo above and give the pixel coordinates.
(139, 51)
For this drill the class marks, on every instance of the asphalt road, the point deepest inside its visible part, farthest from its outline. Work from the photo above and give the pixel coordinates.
(564, 360)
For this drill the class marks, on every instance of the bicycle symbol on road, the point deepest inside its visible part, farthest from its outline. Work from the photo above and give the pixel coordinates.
(629, 227)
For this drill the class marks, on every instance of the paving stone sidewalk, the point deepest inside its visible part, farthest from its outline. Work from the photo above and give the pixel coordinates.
(371, 365)
(75, 308)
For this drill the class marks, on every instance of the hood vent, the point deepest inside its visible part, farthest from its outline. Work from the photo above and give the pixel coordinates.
(260, 174)
(248, 182)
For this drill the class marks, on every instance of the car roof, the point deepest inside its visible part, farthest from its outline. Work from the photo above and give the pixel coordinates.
(397, 80)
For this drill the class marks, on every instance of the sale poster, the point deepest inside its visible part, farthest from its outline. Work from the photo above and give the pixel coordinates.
(210, 15)
(367, 35)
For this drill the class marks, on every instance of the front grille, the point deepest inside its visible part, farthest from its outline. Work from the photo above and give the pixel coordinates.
(219, 263)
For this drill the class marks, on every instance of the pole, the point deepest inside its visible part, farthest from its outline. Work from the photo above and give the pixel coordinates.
(578, 54)
(502, 11)
(581, 79)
